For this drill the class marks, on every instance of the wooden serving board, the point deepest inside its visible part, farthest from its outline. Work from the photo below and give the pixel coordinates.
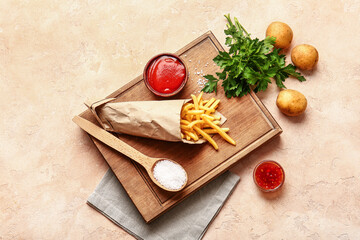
(249, 121)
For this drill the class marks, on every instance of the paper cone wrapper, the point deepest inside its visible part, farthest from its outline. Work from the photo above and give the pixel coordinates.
(151, 119)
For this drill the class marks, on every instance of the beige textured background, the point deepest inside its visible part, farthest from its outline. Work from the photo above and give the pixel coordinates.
(55, 54)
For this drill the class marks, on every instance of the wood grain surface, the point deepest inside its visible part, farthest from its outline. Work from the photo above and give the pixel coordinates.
(249, 121)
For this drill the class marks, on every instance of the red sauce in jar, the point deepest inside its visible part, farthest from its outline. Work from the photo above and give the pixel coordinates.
(166, 74)
(269, 175)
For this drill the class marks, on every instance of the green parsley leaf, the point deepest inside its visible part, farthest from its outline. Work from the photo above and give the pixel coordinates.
(211, 85)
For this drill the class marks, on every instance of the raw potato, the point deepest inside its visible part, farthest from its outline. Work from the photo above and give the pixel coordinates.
(304, 56)
(291, 102)
(282, 32)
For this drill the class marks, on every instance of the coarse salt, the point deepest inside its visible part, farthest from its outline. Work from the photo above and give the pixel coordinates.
(201, 82)
(169, 174)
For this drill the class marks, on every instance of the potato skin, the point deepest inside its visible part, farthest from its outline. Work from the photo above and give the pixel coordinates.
(304, 56)
(282, 32)
(291, 102)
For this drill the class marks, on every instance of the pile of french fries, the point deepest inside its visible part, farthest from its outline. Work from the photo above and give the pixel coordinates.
(198, 121)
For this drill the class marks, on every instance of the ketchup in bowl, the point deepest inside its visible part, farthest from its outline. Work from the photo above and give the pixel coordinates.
(165, 75)
(269, 176)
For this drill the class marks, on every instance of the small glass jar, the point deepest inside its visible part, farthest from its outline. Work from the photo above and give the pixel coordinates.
(269, 176)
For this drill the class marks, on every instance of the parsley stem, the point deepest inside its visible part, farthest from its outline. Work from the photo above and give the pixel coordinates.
(240, 26)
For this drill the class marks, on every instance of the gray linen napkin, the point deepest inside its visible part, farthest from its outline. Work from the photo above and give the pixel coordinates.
(188, 220)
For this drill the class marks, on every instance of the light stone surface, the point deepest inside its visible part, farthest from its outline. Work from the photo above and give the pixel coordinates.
(56, 54)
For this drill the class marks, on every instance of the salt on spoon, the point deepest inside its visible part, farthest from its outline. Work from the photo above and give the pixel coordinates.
(166, 173)
(169, 174)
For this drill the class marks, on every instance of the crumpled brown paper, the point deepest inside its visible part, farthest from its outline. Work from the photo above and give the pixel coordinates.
(151, 119)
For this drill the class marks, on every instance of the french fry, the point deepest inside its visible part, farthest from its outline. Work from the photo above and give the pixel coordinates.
(195, 101)
(199, 98)
(207, 137)
(183, 121)
(198, 121)
(213, 106)
(206, 125)
(208, 104)
(186, 107)
(210, 117)
(185, 127)
(206, 109)
(213, 131)
(196, 105)
(220, 131)
(195, 112)
(196, 134)
(192, 124)
(192, 135)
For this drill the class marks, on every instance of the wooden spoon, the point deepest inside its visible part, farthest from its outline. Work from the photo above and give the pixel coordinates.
(147, 162)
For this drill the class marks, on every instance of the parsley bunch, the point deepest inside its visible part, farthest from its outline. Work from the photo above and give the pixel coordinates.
(249, 64)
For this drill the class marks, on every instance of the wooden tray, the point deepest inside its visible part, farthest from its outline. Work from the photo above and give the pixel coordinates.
(249, 121)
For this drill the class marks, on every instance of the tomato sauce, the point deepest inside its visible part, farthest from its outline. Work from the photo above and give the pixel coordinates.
(269, 175)
(166, 74)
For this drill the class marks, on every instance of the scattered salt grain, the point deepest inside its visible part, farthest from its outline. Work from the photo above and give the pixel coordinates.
(201, 82)
(169, 174)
